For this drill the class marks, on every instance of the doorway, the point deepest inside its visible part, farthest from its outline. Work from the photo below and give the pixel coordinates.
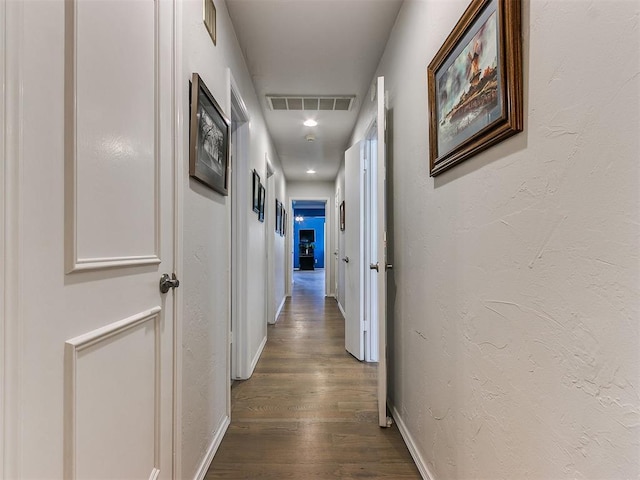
(309, 241)
(239, 148)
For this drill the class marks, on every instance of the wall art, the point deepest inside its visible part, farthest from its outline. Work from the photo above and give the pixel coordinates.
(475, 84)
(256, 192)
(209, 139)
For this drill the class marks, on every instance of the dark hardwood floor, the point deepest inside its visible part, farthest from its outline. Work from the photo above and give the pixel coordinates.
(309, 411)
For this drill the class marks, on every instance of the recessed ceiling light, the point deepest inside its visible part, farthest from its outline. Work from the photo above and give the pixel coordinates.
(310, 123)
(311, 170)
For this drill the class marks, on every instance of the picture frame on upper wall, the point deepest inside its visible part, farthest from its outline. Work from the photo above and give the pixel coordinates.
(475, 84)
(209, 18)
(261, 199)
(342, 214)
(278, 217)
(209, 138)
(255, 190)
(284, 221)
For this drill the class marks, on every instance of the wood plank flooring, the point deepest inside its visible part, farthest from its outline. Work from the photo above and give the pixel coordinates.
(309, 411)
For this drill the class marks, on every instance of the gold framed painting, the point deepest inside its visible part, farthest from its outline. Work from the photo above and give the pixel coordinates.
(475, 84)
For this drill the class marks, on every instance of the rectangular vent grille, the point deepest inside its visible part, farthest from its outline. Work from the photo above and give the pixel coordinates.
(290, 102)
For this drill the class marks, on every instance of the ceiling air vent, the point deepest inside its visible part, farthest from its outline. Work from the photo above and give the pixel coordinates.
(309, 102)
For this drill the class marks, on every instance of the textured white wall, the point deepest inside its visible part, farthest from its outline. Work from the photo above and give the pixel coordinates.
(514, 333)
(279, 246)
(205, 285)
(319, 189)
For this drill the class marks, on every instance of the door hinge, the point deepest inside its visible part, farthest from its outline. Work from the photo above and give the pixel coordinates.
(365, 325)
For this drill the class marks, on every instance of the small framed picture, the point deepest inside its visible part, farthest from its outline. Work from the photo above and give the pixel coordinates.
(284, 221)
(209, 19)
(342, 216)
(256, 192)
(261, 198)
(278, 217)
(209, 138)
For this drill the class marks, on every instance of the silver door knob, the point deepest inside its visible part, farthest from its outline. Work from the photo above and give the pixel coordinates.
(374, 266)
(388, 266)
(345, 259)
(168, 282)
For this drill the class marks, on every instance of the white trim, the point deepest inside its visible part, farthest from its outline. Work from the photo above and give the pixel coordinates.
(213, 448)
(13, 42)
(270, 251)
(78, 344)
(411, 444)
(254, 362)
(279, 310)
(178, 125)
(73, 261)
(3, 231)
(344, 315)
(239, 171)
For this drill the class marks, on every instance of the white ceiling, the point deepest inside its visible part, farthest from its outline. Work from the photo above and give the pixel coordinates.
(312, 47)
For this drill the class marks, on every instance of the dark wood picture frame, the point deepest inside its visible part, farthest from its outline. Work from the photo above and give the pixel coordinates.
(209, 138)
(278, 217)
(475, 84)
(342, 215)
(255, 192)
(284, 221)
(262, 194)
(209, 17)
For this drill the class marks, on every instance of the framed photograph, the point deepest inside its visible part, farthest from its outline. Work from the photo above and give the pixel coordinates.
(261, 198)
(284, 221)
(342, 216)
(475, 84)
(256, 192)
(209, 138)
(278, 217)
(209, 18)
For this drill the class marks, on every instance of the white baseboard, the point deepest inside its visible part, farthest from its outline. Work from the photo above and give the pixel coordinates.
(284, 299)
(344, 315)
(254, 362)
(213, 448)
(411, 444)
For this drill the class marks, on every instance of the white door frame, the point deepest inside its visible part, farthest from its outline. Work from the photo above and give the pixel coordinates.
(370, 286)
(178, 227)
(336, 241)
(328, 223)
(269, 229)
(10, 321)
(238, 363)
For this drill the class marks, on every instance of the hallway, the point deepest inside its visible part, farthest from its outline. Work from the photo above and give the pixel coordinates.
(309, 410)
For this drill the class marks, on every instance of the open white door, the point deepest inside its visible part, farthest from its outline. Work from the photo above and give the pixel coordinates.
(381, 255)
(353, 233)
(91, 170)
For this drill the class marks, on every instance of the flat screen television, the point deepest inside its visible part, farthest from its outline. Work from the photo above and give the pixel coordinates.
(307, 236)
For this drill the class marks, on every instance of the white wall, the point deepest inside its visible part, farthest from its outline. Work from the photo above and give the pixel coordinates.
(314, 190)
(206, 279)
(514, 330)
(279, 246)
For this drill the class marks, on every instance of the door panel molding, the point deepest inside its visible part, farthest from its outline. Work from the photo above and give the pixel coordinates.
(11, 315)
(79, 348)
(92, 208)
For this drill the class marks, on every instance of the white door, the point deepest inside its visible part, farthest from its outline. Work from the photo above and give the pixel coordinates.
(89, 343)
(353, 232)
(380, 253)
